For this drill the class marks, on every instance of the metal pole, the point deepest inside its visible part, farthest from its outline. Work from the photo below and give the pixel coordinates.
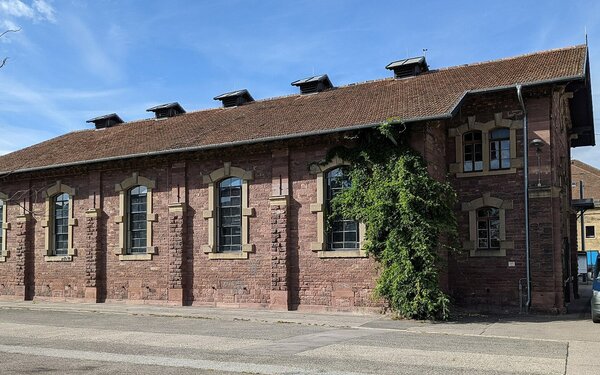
(538, 152)
(582, 217)
(526, 192)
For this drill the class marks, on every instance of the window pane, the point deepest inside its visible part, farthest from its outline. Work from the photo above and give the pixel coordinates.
(229, 220)
(488, 228)
(343, 234)
(137, 220)
(61, 223)
(590, 231)
(500, 133)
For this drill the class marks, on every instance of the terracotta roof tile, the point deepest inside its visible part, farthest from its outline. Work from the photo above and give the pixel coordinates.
(431, 94)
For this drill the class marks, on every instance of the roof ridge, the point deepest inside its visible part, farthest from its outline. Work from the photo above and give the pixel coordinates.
(369, 81)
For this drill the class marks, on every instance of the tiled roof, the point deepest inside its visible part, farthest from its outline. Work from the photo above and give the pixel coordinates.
(429, 95)
(586, 167)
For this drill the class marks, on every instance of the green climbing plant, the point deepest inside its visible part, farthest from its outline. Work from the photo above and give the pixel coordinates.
(407, 214)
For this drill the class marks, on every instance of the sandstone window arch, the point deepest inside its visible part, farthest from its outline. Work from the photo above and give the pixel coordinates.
(4, 227)
(475, 208)
(319, 208)
(59, 222)
(215, 212)
(129, 189)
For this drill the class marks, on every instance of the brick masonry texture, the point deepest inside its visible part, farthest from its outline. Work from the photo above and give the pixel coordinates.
(282, 271)
(590, 177)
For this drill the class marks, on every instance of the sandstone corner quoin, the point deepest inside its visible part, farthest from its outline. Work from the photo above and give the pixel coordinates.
(219, 207)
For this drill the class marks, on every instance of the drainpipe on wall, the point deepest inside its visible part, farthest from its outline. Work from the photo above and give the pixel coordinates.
(526, 180)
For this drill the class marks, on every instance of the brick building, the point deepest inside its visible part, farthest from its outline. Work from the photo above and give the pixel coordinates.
(586, 185)
(226, 206)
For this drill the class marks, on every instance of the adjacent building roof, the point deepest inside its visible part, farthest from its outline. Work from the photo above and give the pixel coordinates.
(432, 95)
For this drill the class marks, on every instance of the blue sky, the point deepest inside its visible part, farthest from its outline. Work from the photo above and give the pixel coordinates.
(74, 60)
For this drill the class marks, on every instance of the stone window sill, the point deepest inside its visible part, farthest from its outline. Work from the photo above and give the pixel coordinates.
(488, 253)
(58, 258)
(229, 255)
(127, 257)
(342, 254)
(497, 172)
(500, 252)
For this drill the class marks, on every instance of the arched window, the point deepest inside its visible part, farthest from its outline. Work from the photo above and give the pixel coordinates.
(136, 215)
(229, 215)
(500, 148)
(472, 151)
(343, 234)
(137, 220)
(60, 212)
(488, 228)
(59, 223)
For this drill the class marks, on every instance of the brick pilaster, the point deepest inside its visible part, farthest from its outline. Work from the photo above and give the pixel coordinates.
(176, 235)
(178, 198)
(92, 250)
(279, 205)
(24, 261)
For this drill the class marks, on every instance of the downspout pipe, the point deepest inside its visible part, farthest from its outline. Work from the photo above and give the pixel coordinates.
(526, 192)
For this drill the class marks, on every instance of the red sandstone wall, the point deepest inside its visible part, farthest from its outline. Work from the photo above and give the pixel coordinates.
(312, 282)
(321, 283)
(230, 282)
(283, 264)
(489, 280)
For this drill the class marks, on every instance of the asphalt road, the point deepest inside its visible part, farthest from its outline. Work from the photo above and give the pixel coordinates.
(54, 339)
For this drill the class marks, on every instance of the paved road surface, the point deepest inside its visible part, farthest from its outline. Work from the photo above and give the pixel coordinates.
(46, 338)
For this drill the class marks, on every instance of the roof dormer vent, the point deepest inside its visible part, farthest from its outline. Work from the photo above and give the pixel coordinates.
(166, 110)
(235, 98)
(313, 84)
(106, 121)
(408, 67)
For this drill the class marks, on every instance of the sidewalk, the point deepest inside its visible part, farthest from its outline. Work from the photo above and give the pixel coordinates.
(335, 320)
(576, 325)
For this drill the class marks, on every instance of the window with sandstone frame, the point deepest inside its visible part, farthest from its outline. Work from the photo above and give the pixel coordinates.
(59, 223)
(228, 214)
(486, 148)
(487, 226)
(136, 218)
(325, 246)
(4, 227)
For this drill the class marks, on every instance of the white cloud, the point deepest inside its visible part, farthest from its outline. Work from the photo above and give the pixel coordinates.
(44, 9)
(16, 8)
(39, 10)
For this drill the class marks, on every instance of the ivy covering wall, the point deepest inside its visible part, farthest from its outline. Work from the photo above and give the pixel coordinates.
(407, 214)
